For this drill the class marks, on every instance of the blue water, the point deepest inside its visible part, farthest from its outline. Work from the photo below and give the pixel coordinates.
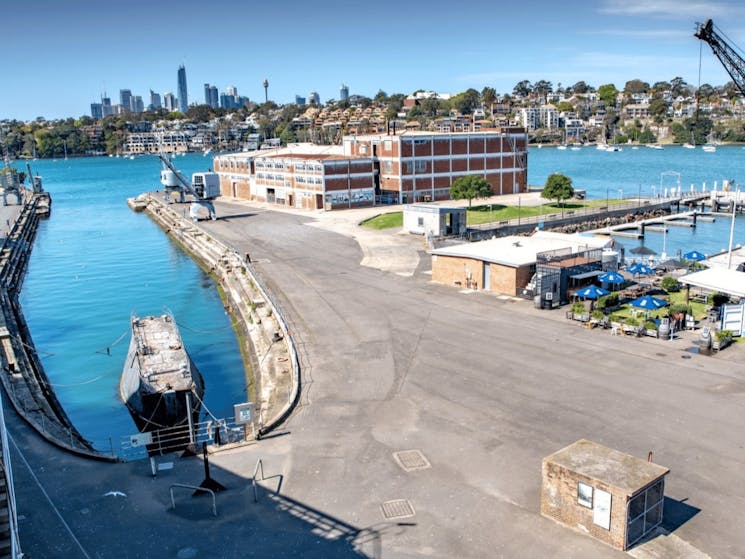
(646, 172)
(94, 263)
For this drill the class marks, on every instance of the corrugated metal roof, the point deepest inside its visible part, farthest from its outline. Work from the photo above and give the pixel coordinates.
(723, 280)
(521, 251)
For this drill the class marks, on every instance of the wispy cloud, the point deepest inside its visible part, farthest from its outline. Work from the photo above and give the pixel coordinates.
(662, 34)
(670, 9)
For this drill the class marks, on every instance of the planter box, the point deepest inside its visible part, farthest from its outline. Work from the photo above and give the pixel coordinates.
(650, 333)
(717, 345)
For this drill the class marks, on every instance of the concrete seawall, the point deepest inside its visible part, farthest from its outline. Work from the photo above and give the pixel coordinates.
(271, 362)
(22, 375)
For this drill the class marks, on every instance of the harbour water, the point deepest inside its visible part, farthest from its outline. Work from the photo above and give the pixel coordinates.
(95, 262)
(647, 173)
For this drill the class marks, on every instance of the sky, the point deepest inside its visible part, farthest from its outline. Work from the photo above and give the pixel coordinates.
(62, 55)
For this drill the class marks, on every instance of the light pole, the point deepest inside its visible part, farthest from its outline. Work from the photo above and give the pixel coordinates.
(620, 193)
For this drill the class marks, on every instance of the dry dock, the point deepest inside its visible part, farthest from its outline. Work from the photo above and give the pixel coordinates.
(23, 375)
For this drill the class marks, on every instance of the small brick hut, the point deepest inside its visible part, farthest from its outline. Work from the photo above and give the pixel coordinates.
(615, 497)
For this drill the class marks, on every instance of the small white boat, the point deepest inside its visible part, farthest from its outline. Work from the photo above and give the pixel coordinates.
(561, 147)
(654, 146)
(614, 148)
(709, 148)
(689, 146)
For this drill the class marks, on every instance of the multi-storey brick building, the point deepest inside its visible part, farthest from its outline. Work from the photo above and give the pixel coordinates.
(401, 168)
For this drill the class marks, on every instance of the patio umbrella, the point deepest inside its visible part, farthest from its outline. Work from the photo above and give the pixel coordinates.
(648, 302)
(592, 292)
(641, 249)
(611, 277)
(671, 264)
(694, 255)
(639, 268)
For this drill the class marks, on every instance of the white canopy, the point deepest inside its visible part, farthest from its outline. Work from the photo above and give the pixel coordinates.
(722, 280)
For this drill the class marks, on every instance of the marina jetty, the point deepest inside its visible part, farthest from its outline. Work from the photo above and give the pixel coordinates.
(23, 376)
(271, 364)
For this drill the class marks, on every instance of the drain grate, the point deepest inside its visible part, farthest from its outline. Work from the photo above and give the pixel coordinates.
(398, 508)
(411, 460)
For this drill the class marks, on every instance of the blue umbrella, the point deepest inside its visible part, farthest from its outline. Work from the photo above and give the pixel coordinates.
(611, 277)
(592, 292)
(648, 302)
(694, 255)
(640, 268)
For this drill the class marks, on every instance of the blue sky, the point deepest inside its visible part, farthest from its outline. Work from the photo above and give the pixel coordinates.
(60, 55)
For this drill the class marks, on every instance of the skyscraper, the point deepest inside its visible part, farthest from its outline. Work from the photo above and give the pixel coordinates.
(96, 110)
(125, 99)
(214, 97)
(154, 101)
(183, 98)
(343, 93)
(170, 101)
(314, 98)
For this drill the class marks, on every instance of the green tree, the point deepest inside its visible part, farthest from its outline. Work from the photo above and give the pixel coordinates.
(579, 87)
(558, 187)
(635, 86)
(466, 102)
(608, 93)
(522, 89)
(469, 187)
(488, 97)
(564, 107)
(658, 108)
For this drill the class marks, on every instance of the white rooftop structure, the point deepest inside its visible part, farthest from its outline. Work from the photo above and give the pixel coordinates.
(718, 279)
(521, 251)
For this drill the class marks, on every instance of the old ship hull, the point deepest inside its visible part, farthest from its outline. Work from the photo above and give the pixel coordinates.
(160, 384)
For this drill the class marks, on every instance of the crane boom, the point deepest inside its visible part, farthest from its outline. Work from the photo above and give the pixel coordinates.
(728, 56)
(203, 187)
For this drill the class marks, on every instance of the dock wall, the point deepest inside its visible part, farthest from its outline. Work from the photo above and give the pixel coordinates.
(23, 377)
(272, 365)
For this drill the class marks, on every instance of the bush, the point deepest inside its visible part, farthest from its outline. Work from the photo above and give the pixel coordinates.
(717, 299)
(670, 284)
(723, 335)
(650, 325)
(679, 308)
(632, 321)
(597, 314)
(608, 301)
(578, 308)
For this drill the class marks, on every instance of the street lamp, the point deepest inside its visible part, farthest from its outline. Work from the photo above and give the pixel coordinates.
(620, 193)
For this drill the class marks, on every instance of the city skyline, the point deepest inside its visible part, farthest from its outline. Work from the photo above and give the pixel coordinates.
(407, 47)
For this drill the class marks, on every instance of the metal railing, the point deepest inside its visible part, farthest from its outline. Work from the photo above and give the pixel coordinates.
(15, 547)
(194, 488)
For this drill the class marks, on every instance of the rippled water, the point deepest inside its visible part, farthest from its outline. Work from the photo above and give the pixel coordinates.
(633, 172)
(94, 263)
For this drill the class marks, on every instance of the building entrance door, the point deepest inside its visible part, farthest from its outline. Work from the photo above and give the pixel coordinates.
(487, 277)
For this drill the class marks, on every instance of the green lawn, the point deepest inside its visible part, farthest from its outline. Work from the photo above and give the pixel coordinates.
(490, 213)
(497, 212)
(385, 221)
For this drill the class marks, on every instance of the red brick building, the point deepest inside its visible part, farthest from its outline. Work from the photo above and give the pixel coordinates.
(393, 168)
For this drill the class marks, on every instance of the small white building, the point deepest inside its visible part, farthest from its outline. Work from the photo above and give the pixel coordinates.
(433, 220)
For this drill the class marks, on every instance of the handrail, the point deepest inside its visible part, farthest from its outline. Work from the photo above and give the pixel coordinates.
(195, 488)
(259, 466)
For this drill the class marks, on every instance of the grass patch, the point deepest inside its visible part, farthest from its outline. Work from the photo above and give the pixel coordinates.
(385, 221)
(497, 212)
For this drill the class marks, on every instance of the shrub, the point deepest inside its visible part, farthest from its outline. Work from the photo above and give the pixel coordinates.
(608, 301)
(632, 321)
(679, 308)
(650, 325)
(722, 335)
(578, 308)
(717, 299)
(597, 314)
(670, 284)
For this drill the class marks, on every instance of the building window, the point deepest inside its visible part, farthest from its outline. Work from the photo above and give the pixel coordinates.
(420, 221)
(584, 494)
(387, 166)
(387, 145)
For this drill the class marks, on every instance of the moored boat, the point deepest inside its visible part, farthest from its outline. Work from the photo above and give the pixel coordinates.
(160, 384)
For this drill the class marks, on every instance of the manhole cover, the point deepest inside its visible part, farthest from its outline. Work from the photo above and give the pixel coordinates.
(411, 460)
(399, 508)
(685, 356)
(661, 354)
